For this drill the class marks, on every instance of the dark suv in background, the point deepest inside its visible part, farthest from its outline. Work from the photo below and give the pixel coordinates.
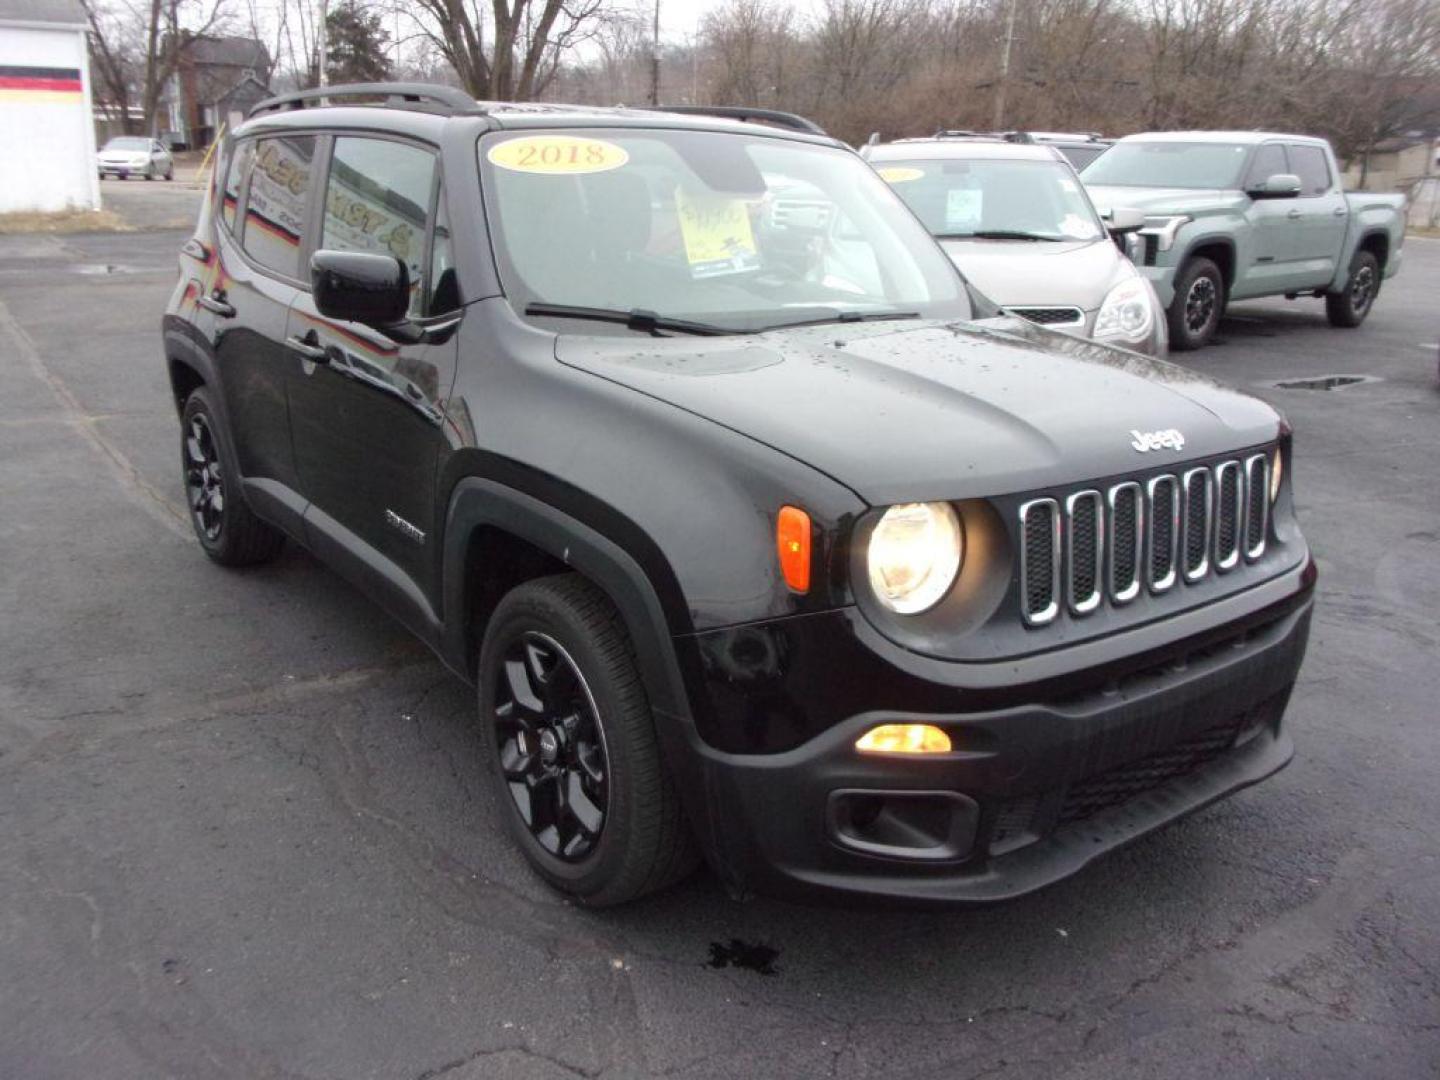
(760, 537)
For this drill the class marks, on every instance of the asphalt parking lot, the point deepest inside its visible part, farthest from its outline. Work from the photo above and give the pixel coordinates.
(244, 830)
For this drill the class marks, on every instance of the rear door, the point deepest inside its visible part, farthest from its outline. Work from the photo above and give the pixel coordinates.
(368, 421)
(263, 210)
(1324, 214)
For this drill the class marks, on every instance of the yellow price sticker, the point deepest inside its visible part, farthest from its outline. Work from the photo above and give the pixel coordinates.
(900, 174)
(718, 238)
(557, 155)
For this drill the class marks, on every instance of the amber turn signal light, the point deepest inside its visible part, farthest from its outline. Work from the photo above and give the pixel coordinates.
(792, 542)
(904, 739)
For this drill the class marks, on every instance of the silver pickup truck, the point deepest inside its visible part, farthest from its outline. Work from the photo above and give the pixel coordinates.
(1234, 215)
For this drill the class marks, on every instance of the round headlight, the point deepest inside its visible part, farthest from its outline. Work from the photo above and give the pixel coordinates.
(915, 553)
(1277, 469)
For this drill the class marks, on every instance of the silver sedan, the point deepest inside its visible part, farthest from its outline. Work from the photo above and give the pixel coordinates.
(135, 155)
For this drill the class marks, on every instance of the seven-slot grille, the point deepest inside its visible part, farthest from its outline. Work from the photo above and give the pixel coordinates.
(1093, 544)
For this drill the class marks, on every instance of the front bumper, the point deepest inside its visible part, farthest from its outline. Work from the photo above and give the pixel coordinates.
(1030, 794)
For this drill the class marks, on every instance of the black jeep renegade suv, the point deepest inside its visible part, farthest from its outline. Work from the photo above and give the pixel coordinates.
(762, 536)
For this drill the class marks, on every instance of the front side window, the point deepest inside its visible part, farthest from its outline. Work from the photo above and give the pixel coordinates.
(1312, 168)
(377, 200)
(994, 198)
(1168, 164)
(1269, 161)
(739, 232)
(275, 206)
(240, 161)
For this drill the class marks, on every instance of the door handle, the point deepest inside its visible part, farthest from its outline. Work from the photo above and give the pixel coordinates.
(1340, 211)
(217, 303)
(309, 347)
(1293, 215)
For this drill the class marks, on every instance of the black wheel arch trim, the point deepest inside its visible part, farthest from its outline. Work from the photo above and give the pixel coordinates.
(1211, 240)
(586, 535)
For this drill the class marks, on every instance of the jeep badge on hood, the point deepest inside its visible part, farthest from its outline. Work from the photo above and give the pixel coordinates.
(1168, 439)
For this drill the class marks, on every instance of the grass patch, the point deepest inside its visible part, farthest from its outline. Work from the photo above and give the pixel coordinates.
(62, 221)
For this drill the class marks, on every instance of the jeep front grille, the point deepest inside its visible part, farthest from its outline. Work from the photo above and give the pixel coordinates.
(1084, 547)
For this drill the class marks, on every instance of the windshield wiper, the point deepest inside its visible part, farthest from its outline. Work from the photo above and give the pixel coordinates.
(847, 317)
(635, 319)
(999, 234)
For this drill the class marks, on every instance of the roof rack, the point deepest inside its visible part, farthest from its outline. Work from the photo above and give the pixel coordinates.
(425, 97)
(736, 112)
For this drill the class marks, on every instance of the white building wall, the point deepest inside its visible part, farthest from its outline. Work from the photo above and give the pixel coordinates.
(48, 160)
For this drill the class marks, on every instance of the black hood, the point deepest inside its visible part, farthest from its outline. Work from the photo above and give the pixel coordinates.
(905, 411)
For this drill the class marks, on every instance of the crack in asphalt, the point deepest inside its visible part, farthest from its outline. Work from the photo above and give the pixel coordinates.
(155, 503)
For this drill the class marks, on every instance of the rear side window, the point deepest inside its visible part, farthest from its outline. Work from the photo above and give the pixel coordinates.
(1269, 161)
(240, 161)
(378, 200)
(275, 206)
(1314, 171)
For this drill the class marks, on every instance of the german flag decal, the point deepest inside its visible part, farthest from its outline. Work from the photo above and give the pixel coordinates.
(40, 84)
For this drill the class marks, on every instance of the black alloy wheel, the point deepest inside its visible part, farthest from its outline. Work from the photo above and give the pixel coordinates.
(227, 529)
(572, 745)
(1194, 314)
(552, 747)
(1200, 304)
(1348, 307)
(204, 478)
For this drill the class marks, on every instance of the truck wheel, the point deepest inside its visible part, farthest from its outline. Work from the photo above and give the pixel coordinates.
(224, 525)
(1199, 302)
(577, 768)
(1349, 307)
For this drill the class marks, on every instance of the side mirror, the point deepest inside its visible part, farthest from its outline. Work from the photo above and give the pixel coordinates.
(1278, 186)
(1123, 219)
(356, 286)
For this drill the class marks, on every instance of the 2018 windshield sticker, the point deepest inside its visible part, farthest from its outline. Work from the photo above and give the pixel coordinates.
(900, 174)
(717, 233)
(557, 155)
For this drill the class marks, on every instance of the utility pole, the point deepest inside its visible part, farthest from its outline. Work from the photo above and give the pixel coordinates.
(1004, 81)
(324, 45)
(655, 59)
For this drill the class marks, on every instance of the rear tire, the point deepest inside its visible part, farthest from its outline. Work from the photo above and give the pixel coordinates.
(1194, 313)
(1349, 307)
(576, 764)
(225, 526)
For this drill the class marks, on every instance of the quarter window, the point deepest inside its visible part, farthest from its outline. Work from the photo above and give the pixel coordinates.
(1312, 168)
(275, 206)
(444, 288)
(378, 200)
(1269, 161)
(234, 178)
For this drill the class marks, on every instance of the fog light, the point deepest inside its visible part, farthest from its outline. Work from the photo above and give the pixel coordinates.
(904, 739)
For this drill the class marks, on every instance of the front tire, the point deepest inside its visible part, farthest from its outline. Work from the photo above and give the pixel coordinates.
(230, 534)
(1349, 307)
(571, 739)
(1194, 313)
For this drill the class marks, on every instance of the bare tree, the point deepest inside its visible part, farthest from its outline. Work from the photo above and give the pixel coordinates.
(139, 44)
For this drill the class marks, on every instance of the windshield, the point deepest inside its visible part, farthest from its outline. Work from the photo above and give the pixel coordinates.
(128, 144)
(1168, 164)
(994, 198)
(729, 232)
